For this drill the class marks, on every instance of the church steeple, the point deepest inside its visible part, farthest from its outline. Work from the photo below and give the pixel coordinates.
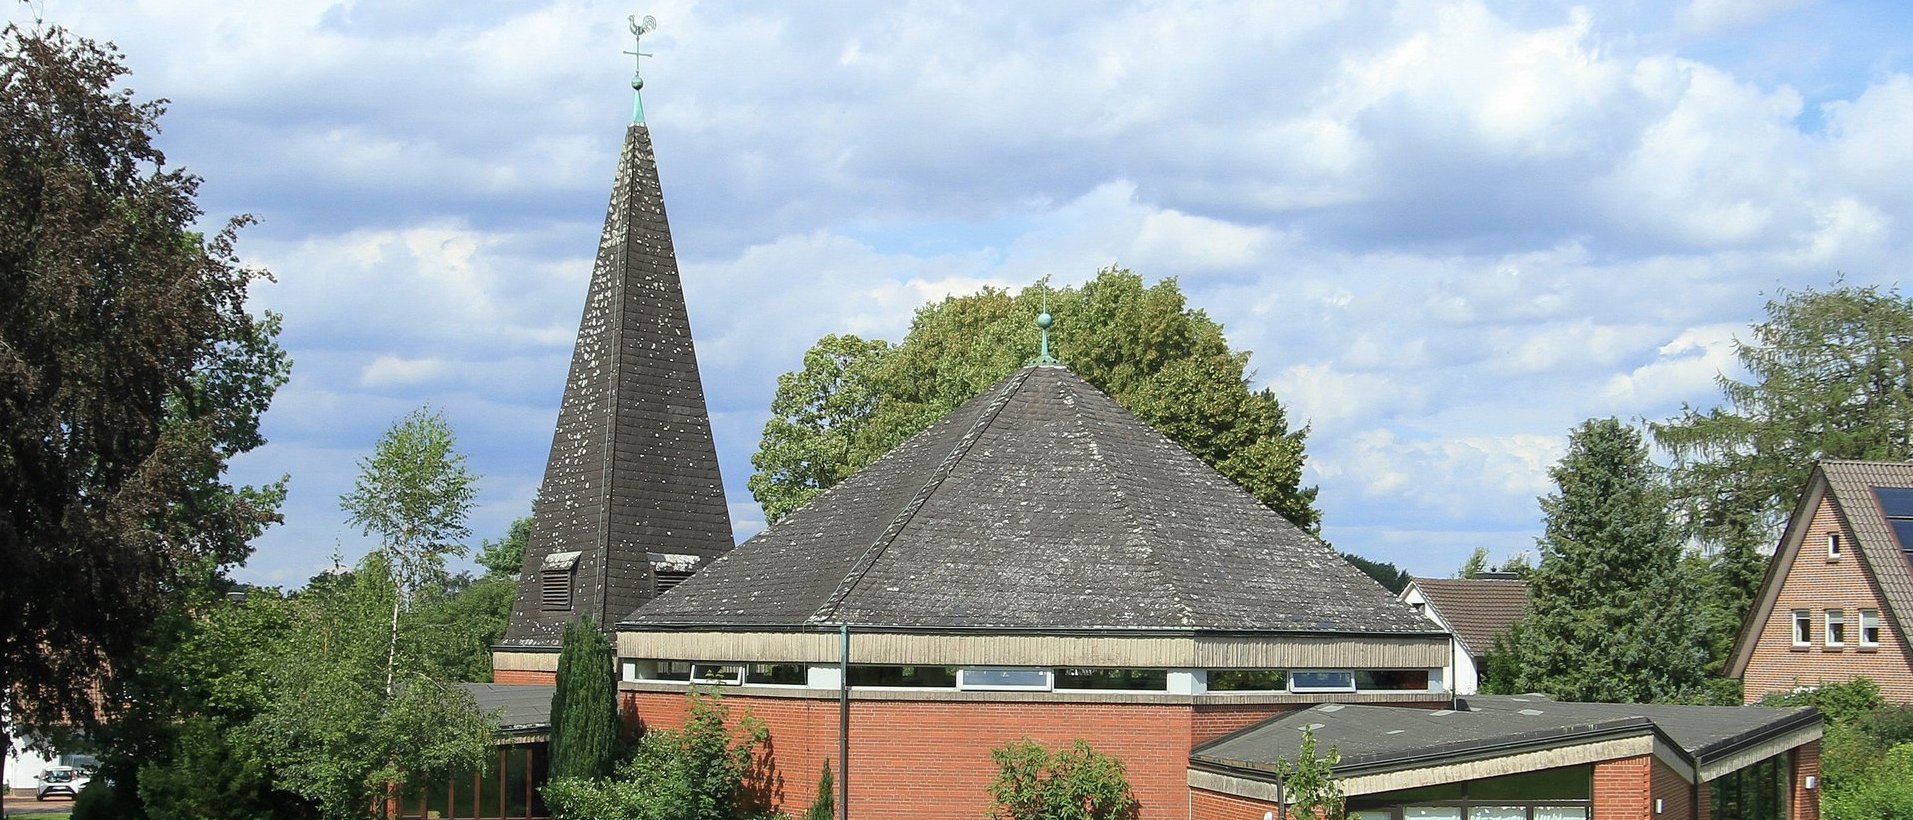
(632, 499)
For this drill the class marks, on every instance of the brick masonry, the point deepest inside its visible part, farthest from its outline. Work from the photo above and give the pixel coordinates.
(931, 759)
(523, 677)
(1817, 583)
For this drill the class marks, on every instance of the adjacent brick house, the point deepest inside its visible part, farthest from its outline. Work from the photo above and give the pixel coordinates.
(1839, 589)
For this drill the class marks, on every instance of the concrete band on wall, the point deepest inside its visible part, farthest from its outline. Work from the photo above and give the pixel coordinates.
(1146, 652)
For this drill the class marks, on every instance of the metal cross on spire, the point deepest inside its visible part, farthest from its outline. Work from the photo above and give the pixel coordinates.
(638, 30)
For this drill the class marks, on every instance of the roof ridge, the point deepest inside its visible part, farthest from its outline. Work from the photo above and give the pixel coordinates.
(889, 535)
(1122, 496)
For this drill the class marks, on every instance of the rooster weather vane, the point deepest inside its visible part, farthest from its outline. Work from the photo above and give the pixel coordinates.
(638, 30)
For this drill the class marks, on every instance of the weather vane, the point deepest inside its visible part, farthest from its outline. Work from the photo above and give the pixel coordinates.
(638, 30)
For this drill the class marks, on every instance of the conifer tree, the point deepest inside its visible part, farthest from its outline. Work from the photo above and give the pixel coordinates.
(825, 806)
(1612, 618)
(584, 708)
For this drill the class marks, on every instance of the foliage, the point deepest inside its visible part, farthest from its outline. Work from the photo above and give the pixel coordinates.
(1843, 702)
(1476, 564)
(1609, 617)
(1309, 782)
(130, 373)
(506, 556)
(855, 399)
(824, 807)
(584, 706)
(1392, 577)
(414, 494)
(452, 627)
(1076, 783)
(1882, 790)
(700, 772)
(1828, 377)
(333, 731)
(1866, 760)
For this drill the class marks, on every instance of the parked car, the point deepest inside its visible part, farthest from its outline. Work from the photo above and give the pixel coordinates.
(64, 780)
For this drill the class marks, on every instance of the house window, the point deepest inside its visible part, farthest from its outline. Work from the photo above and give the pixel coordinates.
(1833, 545)
(1802, 627)
(1126, 680)
(1248, 680)
(1836, 627)
(1869, 627)
(905, 677)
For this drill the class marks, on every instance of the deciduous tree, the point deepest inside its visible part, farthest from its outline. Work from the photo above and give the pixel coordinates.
(130, 373)
(854, 399)
(1074, 783)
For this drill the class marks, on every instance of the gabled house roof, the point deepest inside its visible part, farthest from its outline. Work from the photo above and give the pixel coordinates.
(1478, 610)
(1711, 740)
(1850, 485)
(632, 483)
(1040, 505)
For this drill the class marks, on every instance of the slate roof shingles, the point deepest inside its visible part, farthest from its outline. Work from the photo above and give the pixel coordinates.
(632, 468)
(1039, 505)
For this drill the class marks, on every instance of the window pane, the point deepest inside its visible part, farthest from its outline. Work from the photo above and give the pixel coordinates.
(1392, 680)
(1560, 813)
(993, 678)
(1248, 680)
(1565, 783)
(1144, 680)
(783, 674)
(1498, 813)
(935, 677)
(1431, 813)
(1371, 814)
(1321, 680)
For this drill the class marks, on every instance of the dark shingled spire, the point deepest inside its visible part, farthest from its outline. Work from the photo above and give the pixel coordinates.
(632, 494)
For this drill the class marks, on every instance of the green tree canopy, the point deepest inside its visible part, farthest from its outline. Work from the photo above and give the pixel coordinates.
(1168, 363)
(1073, 783)
(506, 556)
(1610, 619)
(130, 373)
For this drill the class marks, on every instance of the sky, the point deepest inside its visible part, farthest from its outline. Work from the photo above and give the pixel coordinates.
(1448, 231)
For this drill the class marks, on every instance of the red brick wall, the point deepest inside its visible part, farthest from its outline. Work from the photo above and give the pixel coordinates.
(1208, 805)
(1622, 789)
(1674, 792)
(1213, 721)
(931, 759)
(1806, 762)
(1817, 584)
(520, 676)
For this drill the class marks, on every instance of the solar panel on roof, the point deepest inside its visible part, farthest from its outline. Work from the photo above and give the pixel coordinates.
(1896, 502)
(1903, 532)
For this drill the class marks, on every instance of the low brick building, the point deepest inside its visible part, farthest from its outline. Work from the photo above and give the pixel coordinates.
(1499, 757)
(1838, 592)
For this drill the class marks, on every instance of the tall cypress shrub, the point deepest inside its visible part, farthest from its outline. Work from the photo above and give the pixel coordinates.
(584, 709)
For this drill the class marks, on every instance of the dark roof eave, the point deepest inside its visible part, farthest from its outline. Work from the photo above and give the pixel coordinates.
(1093, 631)
(1723, 748)
(1459, 752)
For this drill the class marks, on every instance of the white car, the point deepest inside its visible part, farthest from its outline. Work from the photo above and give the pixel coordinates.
(64, 780)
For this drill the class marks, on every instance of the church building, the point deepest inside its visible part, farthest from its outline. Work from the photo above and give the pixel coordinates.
(1042, 564)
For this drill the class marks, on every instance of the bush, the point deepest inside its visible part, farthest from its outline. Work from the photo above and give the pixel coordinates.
(1077, 783)
(697, 773)
(1841, 702)
(1883, 791)
(825, 806)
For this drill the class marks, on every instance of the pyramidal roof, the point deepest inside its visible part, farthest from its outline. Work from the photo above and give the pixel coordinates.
(632, 482)
(1039, 505)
